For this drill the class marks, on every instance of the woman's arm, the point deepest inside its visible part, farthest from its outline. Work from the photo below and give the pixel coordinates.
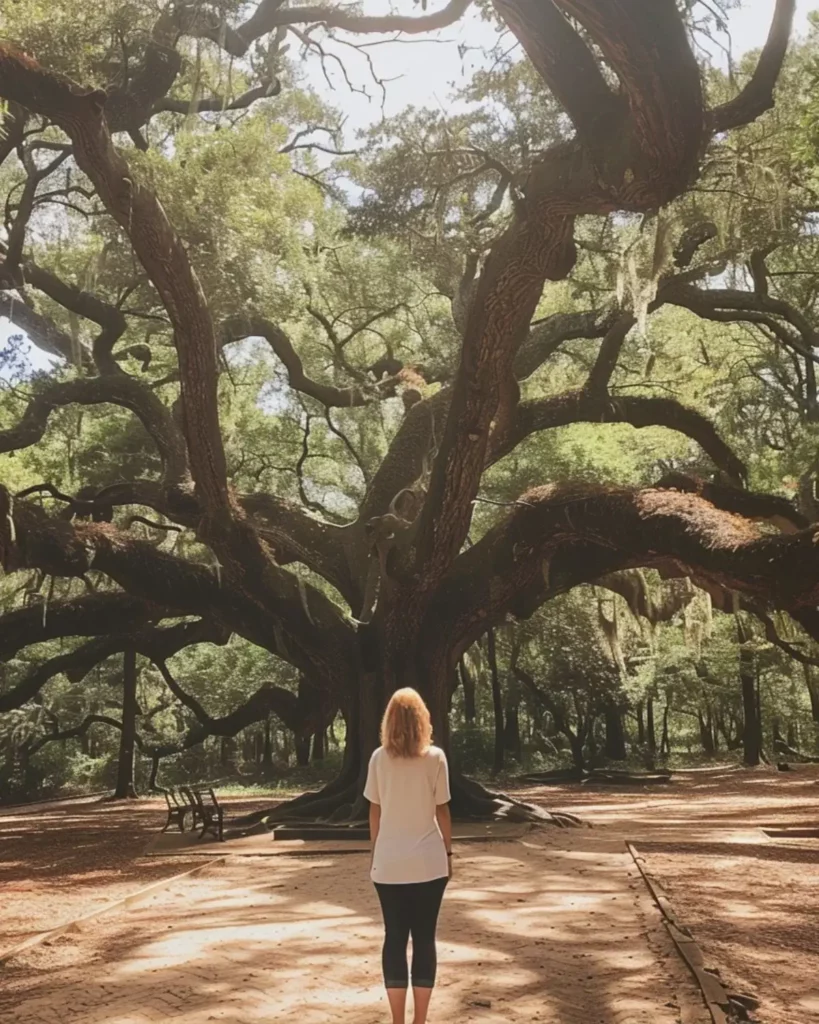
(444, 816)
(375, 824)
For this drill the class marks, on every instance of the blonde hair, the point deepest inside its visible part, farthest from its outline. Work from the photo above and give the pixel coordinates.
(406, 728)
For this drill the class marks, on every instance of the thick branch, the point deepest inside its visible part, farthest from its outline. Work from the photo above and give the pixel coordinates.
(154, 643)
(43, 332)
(758, 94)
(296, 621)
(75, 731)
(80, 113)
(561, 536)
(268, 699)
(646, 44)
(271, 14)
(83, 303)
(587, 407)
(609, 354)
(769, 508)
(243, 327)
(220, 104)
(129, 107)
(119, 389)
(565, 63)
(297, 536)
(91, 615)
(547, 336)
(660, 136)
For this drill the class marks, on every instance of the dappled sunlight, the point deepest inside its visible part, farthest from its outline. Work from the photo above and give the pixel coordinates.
(521, 939)
(556, 927)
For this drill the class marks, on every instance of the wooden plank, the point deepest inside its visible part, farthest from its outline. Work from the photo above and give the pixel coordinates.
(714, 995)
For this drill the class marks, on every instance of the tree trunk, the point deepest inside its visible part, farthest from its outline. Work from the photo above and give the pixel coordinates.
(468, 684)
(152, 785)
(317, 753)
(651, 738)
(497, 702)
(302, 751)
(342, 799)
(126, 788)
(511, 732)
(752, 734)
(227, 753)
(641, 729)
(267, 748)
(578, 753)
(665, 745)
(813, 692)
(615, 748)
(706, 734)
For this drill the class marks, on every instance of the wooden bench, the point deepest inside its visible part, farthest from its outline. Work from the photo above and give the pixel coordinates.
(201, 804)
(206, 809)
(178, 810)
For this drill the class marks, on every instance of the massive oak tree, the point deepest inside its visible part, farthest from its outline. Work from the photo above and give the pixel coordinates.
(406, 589)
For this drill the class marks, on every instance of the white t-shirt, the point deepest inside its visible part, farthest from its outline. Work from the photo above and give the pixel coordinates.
(410, 847)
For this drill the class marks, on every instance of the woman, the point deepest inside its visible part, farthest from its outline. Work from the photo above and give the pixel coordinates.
(411, 832)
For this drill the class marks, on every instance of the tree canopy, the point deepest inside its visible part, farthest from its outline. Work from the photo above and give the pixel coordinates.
(349, 409)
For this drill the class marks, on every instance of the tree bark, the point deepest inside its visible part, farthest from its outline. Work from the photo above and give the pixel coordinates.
(319, 742)
(651, 738)
(641, 728)
(813, 692)
(706, 732)
(267, 748)
(615, 749)
(126, 787)
(302, 751)
(468, 684)
(511, 730)
(665, 745)
(752, 732)
(497, 703)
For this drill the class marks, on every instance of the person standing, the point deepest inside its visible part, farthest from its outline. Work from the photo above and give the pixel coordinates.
(411, 832)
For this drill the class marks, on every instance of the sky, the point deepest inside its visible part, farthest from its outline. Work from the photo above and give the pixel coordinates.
(424, 71)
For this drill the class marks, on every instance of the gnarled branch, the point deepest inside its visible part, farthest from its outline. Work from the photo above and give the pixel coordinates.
(240, 328)
(758, 94)
(81, 114)
(586, 407)
(119, 389)
(561, 536)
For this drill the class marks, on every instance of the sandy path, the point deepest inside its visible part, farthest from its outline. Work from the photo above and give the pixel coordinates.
(555, 928)
(61, 860)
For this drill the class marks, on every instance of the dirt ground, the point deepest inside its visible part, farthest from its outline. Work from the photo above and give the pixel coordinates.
(61, 860)
(535, 930)
(542, 912)
(752, 902)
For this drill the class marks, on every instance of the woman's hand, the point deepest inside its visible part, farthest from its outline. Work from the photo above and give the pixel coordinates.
(449, 865)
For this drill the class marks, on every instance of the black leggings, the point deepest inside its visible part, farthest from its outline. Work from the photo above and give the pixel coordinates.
(410, 910)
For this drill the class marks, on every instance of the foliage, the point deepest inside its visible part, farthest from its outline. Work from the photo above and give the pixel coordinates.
(356, 274)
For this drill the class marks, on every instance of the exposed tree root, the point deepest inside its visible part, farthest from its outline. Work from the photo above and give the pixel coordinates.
(342, 803)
